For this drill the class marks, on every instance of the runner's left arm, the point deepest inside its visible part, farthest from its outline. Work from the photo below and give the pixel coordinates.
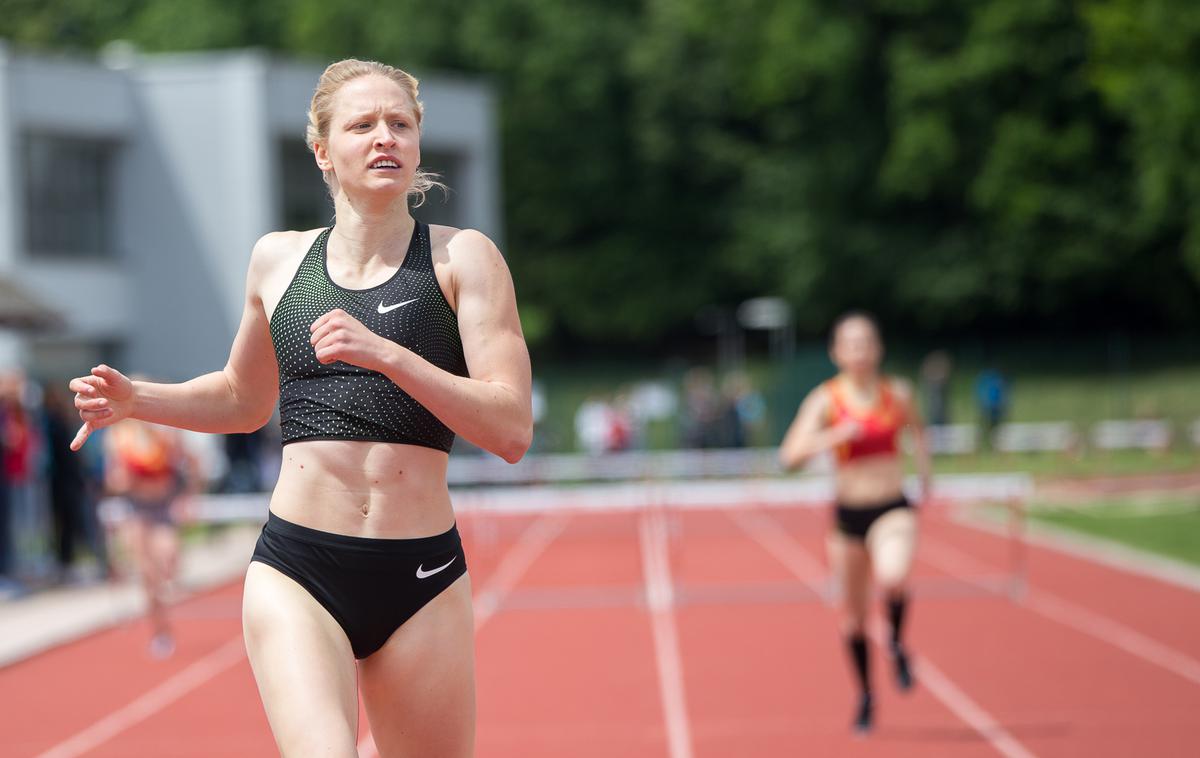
(916, 427)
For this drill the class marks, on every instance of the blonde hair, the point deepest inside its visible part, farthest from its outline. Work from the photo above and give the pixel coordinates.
(320, 111)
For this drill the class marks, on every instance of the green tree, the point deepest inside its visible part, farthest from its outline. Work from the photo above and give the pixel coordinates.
(1145, 62)
(1000, 164)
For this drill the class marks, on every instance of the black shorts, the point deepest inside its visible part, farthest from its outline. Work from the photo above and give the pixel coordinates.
(856, 522)
(155, 512)
(370, 586)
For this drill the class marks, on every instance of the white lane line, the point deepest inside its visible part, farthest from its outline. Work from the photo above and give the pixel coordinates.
(531, 544)
(1096, 625)
(800, 562)
(660, 597)
(516, 561)
(776, 541)
(944, 688)
(150, 702)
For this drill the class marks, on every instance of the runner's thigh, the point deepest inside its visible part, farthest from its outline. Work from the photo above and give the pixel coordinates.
(303, 665)
(419, 688)
(892, 541)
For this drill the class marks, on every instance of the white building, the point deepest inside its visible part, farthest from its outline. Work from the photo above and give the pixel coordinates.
(132, 190)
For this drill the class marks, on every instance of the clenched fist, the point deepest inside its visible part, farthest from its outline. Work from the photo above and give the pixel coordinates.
(338, 336)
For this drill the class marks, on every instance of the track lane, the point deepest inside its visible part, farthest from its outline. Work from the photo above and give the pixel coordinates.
(1160, 610)
(567, 664)
(66, 690)
(1058, 690)
(771, 678)
(576, 681)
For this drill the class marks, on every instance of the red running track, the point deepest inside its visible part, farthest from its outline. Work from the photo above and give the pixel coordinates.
(698, 634)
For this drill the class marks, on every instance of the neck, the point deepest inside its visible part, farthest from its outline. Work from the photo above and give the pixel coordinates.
(370, 231)
(863, 383)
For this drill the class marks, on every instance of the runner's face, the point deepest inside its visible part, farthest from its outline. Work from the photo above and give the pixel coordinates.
(856, 348)
(374, 140)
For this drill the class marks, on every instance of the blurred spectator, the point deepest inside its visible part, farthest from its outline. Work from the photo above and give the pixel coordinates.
(92, 463)
(624, 433)
(65, 471)
(244, 472)
(991, 393)
(742, 408)
(727, 428)
(653, 400)
(591, 425)
(935, 385)
(207, 452)
(7, 584)
(604, 427)
(21, 445)
(701, 409)
(270, 452)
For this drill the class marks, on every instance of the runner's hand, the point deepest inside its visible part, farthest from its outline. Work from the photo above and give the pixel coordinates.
(845, 431)
(103, 398)
(338, 336)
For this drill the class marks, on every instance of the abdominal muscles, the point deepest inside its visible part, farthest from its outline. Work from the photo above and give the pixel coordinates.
(869, 481)
(364, 489)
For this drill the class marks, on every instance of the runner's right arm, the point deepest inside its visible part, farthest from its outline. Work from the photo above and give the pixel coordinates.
(238, 398)
(809, 435)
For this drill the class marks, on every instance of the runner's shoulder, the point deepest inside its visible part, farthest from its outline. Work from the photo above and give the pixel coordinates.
(462, 246)
(817, 400)
(276, 250)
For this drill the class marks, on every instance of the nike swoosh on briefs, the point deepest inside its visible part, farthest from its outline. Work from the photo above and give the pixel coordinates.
(423, 574)
(385, 308)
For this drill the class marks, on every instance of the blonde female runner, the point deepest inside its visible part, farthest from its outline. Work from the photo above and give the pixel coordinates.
(381, 338)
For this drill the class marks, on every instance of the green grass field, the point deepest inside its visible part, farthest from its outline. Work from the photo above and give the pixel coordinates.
(1169, 526)
(1056, 465)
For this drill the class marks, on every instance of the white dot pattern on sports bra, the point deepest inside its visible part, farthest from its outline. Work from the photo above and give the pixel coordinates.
(341, 401)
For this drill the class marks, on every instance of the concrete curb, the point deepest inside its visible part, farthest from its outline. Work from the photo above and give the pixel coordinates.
(45, 620)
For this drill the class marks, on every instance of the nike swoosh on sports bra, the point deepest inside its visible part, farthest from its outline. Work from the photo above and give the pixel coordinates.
(338, 401)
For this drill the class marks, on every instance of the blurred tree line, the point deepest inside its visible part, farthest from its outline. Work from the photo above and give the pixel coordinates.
(997, 165)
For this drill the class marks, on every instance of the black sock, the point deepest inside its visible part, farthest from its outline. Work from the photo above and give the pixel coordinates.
(897, 604)
(858, 653)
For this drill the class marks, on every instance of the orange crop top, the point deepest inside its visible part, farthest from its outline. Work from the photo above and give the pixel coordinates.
(143, 450)
(880, 424)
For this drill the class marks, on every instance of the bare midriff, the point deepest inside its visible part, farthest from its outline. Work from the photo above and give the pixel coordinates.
(152, 488)
(869, 481)
(364, 489)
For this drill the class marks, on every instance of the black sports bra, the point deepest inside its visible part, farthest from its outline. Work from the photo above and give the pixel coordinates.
(338, 401)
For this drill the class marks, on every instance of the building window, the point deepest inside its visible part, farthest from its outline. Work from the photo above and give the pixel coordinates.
(302, 191)
(69, 190)
(442, 207)
(57, 361)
